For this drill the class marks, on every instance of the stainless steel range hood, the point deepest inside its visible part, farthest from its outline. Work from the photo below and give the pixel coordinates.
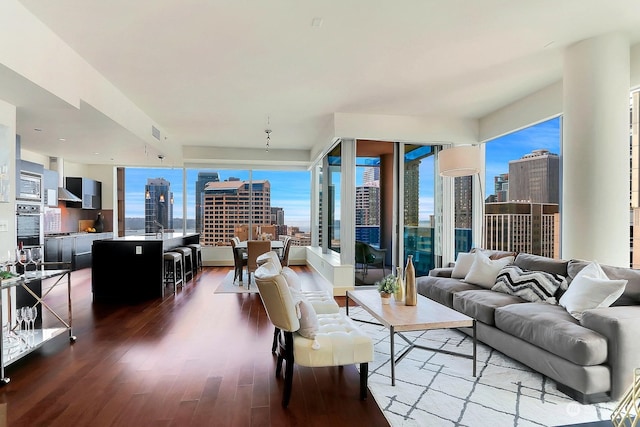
(64, 195)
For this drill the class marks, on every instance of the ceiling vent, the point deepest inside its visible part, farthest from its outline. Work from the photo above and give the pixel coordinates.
(155, 132)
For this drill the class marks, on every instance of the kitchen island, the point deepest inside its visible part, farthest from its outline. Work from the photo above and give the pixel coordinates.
(130, 268)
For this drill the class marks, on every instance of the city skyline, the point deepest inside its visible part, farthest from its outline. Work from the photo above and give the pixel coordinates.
(290, 190)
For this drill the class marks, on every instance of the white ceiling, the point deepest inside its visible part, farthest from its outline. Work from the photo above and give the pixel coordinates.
(213, 72)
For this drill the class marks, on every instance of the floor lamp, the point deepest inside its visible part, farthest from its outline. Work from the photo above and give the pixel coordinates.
(464, 160)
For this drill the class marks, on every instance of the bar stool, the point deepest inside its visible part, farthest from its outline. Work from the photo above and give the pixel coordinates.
(187, 262)
(196, 255)
(172, 270)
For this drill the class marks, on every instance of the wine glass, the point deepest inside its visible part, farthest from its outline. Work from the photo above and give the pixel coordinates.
(19, 318)
(36, 256)
(33, 316)
(29, 318)
(11, 260)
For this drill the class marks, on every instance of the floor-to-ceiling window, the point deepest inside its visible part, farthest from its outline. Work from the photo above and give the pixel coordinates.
(419, 206)
(522, 206)
(463, 213)
(333, 175)
(153, 199)
(219, 203)
(368, 209)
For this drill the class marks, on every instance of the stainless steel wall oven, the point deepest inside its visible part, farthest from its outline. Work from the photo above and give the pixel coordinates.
(29, 228)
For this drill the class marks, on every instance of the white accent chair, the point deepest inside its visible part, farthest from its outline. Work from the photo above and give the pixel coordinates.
(307, 338)
(322, 301)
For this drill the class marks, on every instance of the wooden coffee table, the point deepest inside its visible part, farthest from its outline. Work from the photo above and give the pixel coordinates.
(398, 318)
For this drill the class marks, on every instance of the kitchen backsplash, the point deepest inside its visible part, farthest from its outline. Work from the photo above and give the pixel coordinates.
(66, 220)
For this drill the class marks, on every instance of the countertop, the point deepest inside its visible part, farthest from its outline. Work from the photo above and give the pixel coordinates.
(152, 237)
(106, 234)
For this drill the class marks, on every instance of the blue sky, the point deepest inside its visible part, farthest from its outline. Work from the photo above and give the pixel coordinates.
(290, 190)
(545, 135)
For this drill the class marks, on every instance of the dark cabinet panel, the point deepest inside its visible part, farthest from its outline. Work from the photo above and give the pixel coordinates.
(89, 190)
(74, 249)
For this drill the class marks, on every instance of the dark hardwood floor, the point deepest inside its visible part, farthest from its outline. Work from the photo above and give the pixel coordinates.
(193, 359)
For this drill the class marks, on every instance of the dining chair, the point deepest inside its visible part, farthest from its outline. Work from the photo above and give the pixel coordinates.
(255, 248)
(239, 259)
(307, 338)
(368, 256)
(284, 259)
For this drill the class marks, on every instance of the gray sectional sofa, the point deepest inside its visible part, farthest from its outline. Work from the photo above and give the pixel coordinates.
(591, 359)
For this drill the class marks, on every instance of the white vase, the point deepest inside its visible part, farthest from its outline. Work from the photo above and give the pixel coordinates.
(385, 298)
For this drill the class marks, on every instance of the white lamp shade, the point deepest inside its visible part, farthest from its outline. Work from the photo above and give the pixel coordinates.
(463, 160)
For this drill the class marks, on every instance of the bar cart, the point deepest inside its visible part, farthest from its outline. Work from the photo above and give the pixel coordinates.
(15, 343)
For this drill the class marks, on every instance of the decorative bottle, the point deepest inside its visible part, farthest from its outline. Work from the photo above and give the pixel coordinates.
(399, 294)
(22, 258)
(98, 224)
(411, 297)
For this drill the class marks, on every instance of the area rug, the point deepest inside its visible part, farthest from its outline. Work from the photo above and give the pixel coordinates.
(434, 389)
(227, 286)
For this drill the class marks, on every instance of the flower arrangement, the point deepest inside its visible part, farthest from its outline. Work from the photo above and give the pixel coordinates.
(387, 285)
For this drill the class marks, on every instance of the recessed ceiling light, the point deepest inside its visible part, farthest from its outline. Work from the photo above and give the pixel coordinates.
(62, 139)
(95, 153)
(316, 22)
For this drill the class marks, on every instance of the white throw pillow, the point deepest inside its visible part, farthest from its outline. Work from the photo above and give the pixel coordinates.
(591, 288)
(292, 278)
(308, 320)
(483, 271)
(463, 264)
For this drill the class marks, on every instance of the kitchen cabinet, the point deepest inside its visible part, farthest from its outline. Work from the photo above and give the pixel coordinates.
(74, 248)
(50, 185)
(141, 257)
(89, 190)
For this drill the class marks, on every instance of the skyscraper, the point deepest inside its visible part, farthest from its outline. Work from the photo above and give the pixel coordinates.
(158, 205)
(228, 204)
(204, 178)
(523, 227)
(463, 202)
(535, 178)
(368, 214)
(524, 215)
(412, 193)
(501, 185)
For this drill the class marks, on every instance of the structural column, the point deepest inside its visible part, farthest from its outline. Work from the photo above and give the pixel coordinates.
(595, 151)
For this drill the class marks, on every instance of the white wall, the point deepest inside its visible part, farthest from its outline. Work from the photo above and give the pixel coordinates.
(44, 59)
(8, 149)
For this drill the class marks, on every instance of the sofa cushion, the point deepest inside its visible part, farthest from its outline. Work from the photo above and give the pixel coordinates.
(540, 263)
(481, 304)
(441, 272)
(533, 286)
(591, 288)
(551, 328)
(441, 289)
(484, 271)
(495, 254)
(631, 294)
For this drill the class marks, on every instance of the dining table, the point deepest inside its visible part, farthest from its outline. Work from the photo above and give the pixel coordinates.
(276, 245)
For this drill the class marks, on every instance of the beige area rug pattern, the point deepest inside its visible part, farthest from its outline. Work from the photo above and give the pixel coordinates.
(435, 389)
(227, 286)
